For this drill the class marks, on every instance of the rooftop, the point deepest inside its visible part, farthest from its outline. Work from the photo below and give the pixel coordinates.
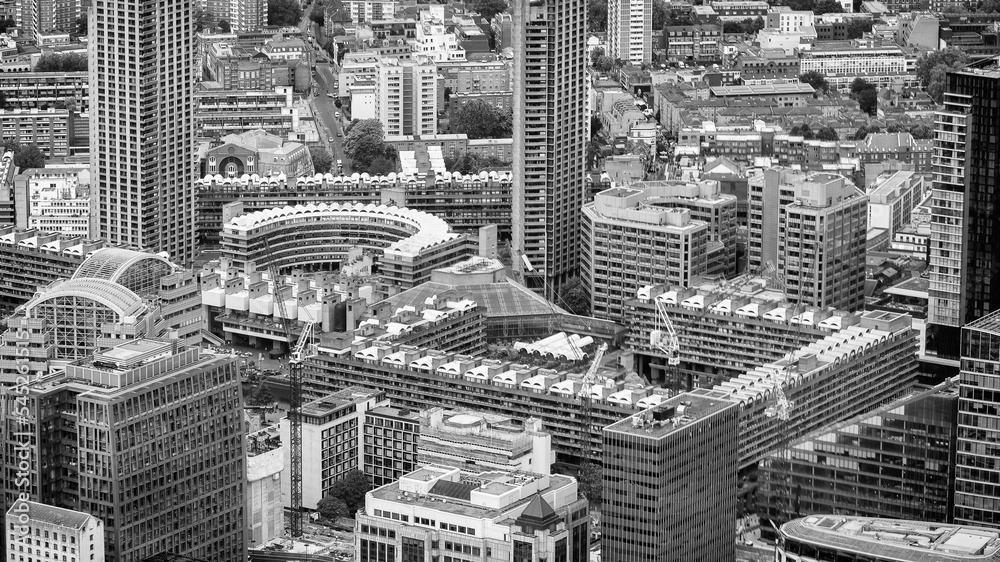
(337, 400)
(674, 413)
(43, 513)
(891, 539)
(989, 323)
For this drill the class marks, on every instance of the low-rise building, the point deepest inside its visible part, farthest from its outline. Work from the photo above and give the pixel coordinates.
(885, 66)
(794, 94)
(435, 511)
(220, 112)
(739, 10)
(37, 532)
(255, 153)
(265, 473)
(478, 441)
(391, 447)
(693, 44)
(53, 130)
(44, 90)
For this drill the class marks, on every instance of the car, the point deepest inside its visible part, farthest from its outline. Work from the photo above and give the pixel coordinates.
(337, 114)
(339, 134)
(331, 139)
(330, 95)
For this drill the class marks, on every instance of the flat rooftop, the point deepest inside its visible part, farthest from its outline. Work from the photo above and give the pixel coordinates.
(675, 413)
(892, 539)
(337, 400)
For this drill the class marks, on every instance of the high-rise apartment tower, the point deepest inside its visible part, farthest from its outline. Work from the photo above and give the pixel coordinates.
(630, 30)
(550, 137)
(964, 258)
(142, 123)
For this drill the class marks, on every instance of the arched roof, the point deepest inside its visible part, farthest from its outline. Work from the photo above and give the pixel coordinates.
(111, 263)
(112, 295)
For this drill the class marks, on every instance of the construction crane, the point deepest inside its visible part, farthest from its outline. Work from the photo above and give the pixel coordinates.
(589, 380)
(294, 397)
(664, 338)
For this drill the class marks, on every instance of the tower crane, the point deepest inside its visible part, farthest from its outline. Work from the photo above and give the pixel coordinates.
(664, 338)
(295, 395)
(589, 380)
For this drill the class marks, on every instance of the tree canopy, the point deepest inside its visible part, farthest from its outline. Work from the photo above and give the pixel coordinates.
(66, 62)
(857, 27)
(332, 508)
(597, 15)
(573, 296)
(933, 67)
(481, 120)
(81, 25)
(25, 155)
(489, 8)
(283, 12)
(866, 94)
(591, 485)
(815, 79)
(7, 23)
(365, 145)
(818, 7)
(749, 26)
(224, 26)
(351, 490)
(318, 13)
(322, 159)
(825, 133)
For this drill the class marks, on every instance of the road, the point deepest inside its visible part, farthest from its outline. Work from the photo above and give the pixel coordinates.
(325, 82)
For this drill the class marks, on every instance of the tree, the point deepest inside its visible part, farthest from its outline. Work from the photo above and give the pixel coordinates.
(382, 165)
(202, 19)
(283, 12)
(863, 132)
(857, 27)
(593, 155)
(225, 27)
(590, 482)
(815, 79)
(828, 7)
(332, 508)
(989, 7)
(29, 156)
(748, 26)
(261, 396)
(595, 125)
(68, 62)
(661, 14)
(803, 130)
(81, 25)
(860, 85)
(469, 163)
(597, 15)
(351, 490)
(337, 103)
(318, 13)
(868, 101)
(322, 159)
(489, 8)
(827, 134)
(364, 142)
(574, 297)
(596, 54)
(481, 120)
(605, 64)
(922, 132)
(7, 23)
(932, 69)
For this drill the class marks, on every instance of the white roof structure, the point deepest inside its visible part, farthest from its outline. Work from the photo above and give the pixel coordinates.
(112, 295)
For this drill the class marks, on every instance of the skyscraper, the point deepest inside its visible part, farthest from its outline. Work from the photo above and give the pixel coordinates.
(550, 137)
(142, 124)
(964, 257)
(630, 30)
(977, 464)
(147, 438)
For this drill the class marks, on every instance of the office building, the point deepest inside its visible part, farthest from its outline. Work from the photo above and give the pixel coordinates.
(881, 65)
(550, 127)
(116, 295)
(406, 244)
(670, 481)
(391, 437)
(963, 251)
(696, 44)
(834, 538)
(265, 465)
(242, 15)
(792, 220)
(221, 112)
(158, 410)
(477, 442)
(369, 10)
(37, 532)
(406, 96)
(858, 467)
(436, 512)
(977, 494)
(53, 200)
(788, 21)
(630, 30)
(626, 244)
(142, 125)
(333, 425)
(891, 200)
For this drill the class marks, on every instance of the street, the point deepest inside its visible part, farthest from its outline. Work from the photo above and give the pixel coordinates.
(323, 108)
